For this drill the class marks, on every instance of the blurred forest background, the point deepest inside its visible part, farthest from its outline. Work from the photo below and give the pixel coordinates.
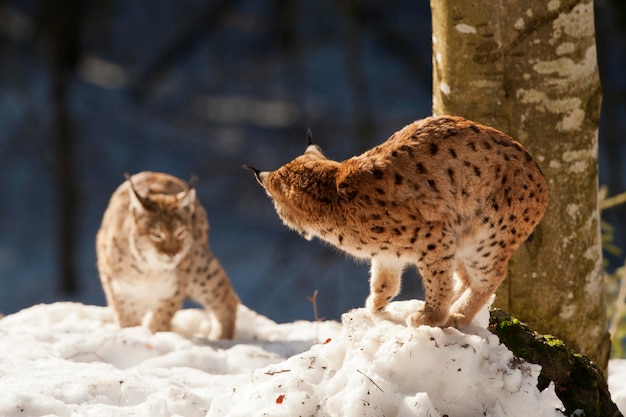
(92, 89)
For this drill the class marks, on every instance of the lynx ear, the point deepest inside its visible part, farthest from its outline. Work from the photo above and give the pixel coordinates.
(260, 175)
(137, 202)
(186, 199)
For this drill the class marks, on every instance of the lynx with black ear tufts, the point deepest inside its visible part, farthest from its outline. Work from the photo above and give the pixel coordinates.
(153, 252)
(444, 193)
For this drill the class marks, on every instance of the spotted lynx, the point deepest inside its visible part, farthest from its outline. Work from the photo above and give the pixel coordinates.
(443, 193)
(153, 252)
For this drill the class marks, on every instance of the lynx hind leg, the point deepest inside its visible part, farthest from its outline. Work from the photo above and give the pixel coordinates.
(127, 313)
(214, 291)
(463, 280)
(385, 278)
(481, 286)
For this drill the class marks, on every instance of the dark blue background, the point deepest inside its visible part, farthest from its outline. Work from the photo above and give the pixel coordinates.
(241, 90)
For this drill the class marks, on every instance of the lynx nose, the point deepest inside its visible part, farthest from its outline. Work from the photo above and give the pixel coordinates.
(171, 254)
(170, 249)
(260, 175)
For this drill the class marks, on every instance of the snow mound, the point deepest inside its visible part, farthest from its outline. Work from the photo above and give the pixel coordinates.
(70, 359)
(379, 367)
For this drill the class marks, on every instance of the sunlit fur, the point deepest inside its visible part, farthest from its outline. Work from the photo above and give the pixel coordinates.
(153, 252)
(444, 193)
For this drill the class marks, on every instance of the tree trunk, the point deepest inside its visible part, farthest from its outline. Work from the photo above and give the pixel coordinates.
(529, 69)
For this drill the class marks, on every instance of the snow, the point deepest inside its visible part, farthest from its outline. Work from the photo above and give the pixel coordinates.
(70, 359)
(617, 383)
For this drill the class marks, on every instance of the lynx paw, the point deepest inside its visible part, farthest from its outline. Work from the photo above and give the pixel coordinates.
(376, 303)
(156, 324)
(457, 320)
(427, 318)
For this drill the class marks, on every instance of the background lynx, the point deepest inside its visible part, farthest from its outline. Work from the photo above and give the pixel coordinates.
(443, 193)
(153, 252)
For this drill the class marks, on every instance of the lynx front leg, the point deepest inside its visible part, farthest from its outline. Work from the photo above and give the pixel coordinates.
(385, 278)
(161, 318)
(125, 311)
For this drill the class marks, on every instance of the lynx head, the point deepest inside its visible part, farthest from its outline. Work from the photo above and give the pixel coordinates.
(162, 225)
(302, 190)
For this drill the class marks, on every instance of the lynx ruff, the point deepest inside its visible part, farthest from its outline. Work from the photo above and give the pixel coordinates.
(444, 193)
(153, 252)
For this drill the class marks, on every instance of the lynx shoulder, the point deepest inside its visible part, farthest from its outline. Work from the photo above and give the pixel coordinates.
(153, 252)
(446, 194)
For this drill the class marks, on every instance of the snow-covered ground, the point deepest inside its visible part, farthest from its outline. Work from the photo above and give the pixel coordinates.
(70, 359)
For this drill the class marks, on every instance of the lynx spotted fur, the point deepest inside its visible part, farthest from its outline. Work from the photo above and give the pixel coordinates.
(443, 193)
(153, 252)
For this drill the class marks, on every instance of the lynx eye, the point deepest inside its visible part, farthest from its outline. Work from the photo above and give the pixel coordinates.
(156, 235)
(181, 233)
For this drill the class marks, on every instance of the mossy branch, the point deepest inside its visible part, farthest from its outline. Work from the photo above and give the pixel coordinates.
(578, 382)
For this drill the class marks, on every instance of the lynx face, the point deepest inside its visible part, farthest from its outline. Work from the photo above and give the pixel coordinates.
(162, 226)
(300, 186)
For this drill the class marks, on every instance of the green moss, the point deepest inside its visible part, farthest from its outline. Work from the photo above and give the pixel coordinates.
(554, 342)
(508, 323)
(579, 383)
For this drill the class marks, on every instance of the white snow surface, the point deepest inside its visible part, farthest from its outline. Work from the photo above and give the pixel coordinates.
(617, 383)
(70, 359)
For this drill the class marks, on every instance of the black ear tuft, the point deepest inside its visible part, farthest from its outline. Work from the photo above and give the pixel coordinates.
(250, 168)
(309, 137)
(132, 187)
(257, 173)
(192, 181)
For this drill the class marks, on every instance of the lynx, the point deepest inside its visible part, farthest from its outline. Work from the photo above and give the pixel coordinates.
(446, 194)
(153, 252)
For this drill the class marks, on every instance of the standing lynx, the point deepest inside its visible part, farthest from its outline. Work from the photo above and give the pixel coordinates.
(443, 193)
(153, 252)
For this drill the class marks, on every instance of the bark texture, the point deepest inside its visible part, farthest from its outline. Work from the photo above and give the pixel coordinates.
(529, 68)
